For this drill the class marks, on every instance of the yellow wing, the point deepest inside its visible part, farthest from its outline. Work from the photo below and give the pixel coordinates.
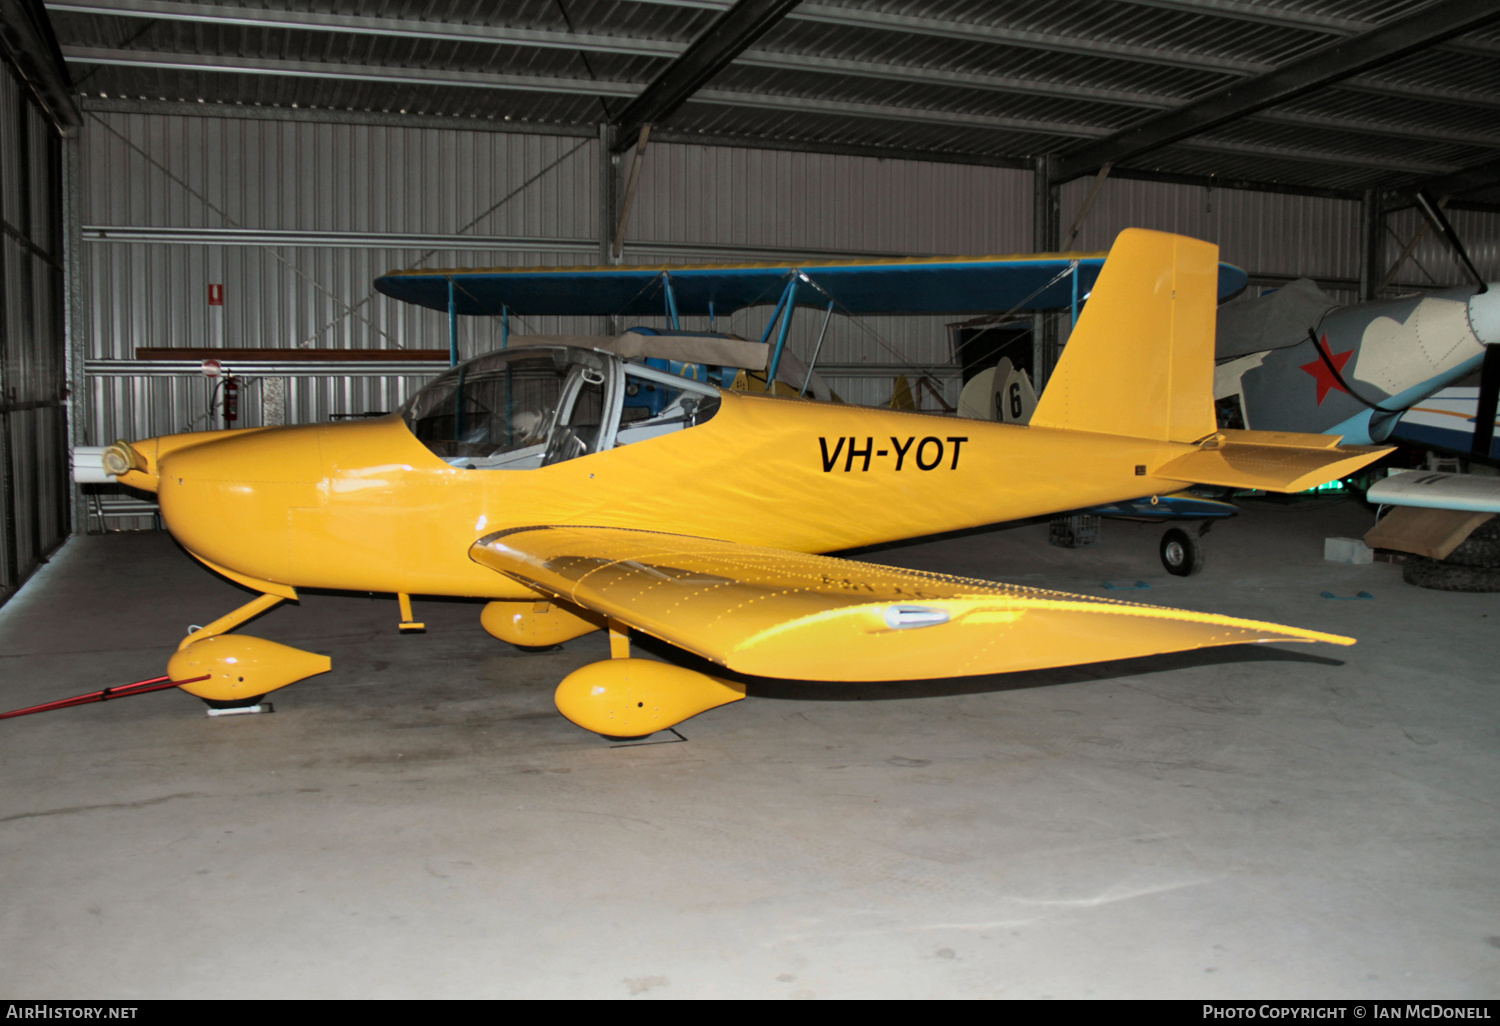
(786, 614)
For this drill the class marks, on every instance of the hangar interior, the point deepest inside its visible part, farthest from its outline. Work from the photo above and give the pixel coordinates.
(225, 176)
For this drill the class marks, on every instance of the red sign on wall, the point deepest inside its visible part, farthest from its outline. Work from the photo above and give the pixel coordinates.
(216, 295)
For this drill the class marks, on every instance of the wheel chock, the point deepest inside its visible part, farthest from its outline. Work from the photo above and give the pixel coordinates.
(243, 710)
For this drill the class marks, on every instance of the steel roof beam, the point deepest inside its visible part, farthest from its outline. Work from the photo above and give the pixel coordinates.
(717, 97)
(1261, 14)
(730, 34)
(376, 117)
(865, 69)
(724, 97)
(170, 10)
(889, 112)
(987, 160)
(1470, 179)
(26, 39)
(532, 83)
(1433, 23)
(1063, 91)
(823, 13)
(1285, 17)
(252, 17)
(830, 14)
(1240, 10)
(883, 112)
(345, 72)
(343, 116)
(360, 25)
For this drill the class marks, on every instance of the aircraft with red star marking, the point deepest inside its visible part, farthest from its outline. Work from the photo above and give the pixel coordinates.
(1350, 370)
(1321, 370)
(1370, 362)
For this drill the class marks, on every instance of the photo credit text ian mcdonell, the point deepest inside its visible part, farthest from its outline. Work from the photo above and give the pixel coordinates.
(1347, 1010)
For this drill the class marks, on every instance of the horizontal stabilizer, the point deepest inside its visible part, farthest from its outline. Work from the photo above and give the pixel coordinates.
(1280, 466)
(787, 614)
(1468, 492)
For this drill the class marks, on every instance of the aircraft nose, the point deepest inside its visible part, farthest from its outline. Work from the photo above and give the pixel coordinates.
(231, 501)
(1484, 314)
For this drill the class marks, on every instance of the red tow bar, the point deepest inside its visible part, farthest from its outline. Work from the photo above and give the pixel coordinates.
(140, 687)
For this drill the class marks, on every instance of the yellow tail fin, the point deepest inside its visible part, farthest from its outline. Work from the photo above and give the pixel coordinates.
(1140, 361)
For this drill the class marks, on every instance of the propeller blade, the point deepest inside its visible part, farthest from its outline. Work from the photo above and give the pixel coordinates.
(140, 687)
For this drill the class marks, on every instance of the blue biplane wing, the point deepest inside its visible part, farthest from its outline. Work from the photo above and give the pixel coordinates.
(946, 285)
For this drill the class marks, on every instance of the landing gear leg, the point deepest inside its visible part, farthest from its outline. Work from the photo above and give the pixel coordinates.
(1181, 553)
(229, 621)
(619, 640)
(619, 648)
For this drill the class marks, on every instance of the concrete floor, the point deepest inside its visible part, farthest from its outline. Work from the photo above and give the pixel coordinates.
(1258, 821)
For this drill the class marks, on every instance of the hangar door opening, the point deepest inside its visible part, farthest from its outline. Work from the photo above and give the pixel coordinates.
(981, 343)
(34, 487)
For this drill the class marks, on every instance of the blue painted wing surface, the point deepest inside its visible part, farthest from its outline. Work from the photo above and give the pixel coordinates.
(1444, 420)
(948, 285)
(1177, 506)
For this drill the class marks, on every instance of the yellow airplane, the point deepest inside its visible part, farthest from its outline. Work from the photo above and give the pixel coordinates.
(528, 478)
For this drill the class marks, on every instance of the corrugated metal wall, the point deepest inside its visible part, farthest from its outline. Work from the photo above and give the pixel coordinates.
(1432, 262)
(1271, 235)
(296, 219)
(34, 492)
(771, 203)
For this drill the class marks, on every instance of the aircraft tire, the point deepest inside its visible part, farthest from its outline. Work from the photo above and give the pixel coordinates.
(1441, 575)
(238, 703)
(1481, 548)
(1181, 553)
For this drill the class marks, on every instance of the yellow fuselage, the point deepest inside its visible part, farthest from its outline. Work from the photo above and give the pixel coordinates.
(368, 507)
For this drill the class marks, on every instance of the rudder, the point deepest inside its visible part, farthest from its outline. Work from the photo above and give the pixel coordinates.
(1140, 361)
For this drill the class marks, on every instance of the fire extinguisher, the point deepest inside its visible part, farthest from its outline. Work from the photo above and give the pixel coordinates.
(231, 400)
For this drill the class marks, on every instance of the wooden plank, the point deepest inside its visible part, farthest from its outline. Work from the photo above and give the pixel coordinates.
(235, 357)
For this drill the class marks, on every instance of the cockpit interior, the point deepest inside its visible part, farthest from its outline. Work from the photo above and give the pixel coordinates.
(524, 408)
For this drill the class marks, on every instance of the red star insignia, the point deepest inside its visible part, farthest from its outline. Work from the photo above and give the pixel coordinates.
(1319, 370)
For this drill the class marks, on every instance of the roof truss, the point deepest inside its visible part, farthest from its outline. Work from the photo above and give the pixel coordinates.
(886, 90)
(1423, 28)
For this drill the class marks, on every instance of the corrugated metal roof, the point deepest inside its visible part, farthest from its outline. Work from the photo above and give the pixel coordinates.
(962, 79)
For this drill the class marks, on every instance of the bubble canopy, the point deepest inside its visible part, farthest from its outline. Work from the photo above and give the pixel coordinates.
(534, 406)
